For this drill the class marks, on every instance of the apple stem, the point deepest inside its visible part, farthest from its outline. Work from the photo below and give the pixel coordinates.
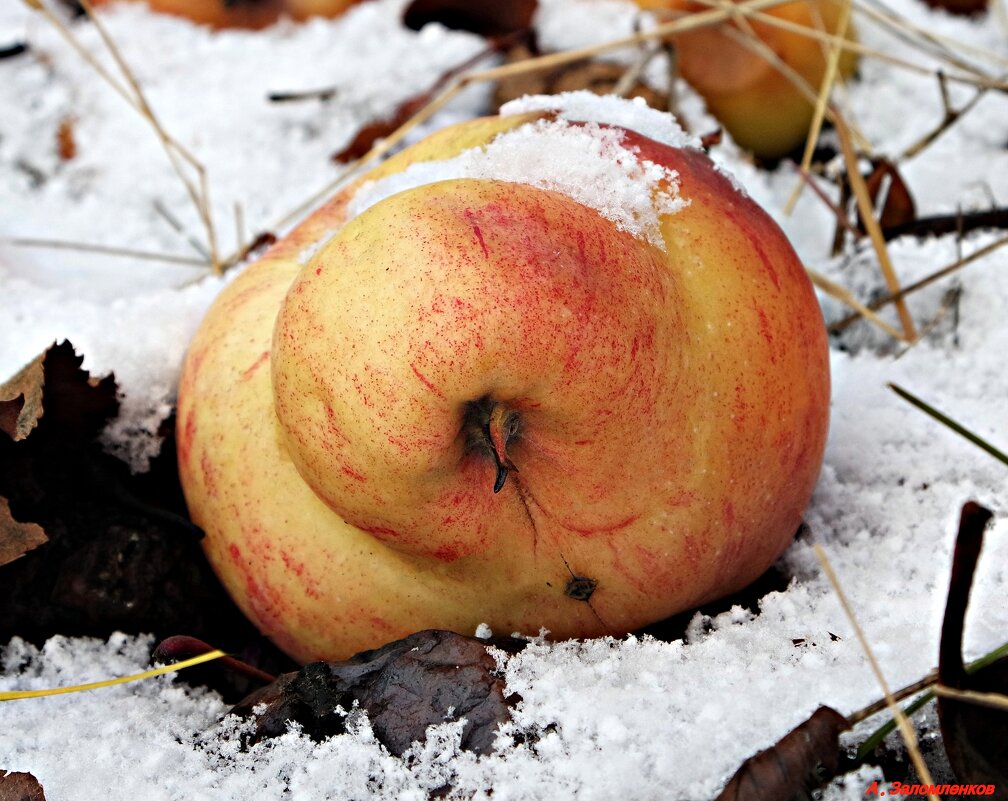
(488, 427)
(502, 425)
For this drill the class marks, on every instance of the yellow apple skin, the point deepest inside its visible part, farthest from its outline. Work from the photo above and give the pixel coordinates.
(756, 102)
(671, 412)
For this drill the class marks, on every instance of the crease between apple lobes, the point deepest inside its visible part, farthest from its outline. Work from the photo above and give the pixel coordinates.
(671, 413)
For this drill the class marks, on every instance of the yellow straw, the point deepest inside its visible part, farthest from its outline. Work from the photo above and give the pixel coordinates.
(15, 695)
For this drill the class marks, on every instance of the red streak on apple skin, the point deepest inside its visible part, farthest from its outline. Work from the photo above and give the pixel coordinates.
(209, 475)
(349, 471)
(186, 439)
(425, 381)
(587, 532)
(254, 367)
(476, 230)
(757, 245)
(235, 553)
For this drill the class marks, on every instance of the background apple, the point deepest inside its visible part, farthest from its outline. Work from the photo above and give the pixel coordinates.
(244, 13)
(482, 401)
(758, 104)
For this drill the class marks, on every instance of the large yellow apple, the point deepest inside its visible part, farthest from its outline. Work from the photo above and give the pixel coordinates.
(755, 99)
(483, 401)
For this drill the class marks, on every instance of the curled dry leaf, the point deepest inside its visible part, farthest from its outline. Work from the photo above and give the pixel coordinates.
(54, 385)
(427, 678)
(976, 737)
(802, 760)
(16, 539)
(484, 19)
(898, 207)
(17, 786)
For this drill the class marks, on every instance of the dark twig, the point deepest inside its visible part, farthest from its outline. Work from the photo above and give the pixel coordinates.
(961, 223)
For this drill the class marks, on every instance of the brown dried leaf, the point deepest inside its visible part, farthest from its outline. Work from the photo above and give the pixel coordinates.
(489, 20)
(801, 761)
(53, 383)
(429, 677)
(16, 539)
(976, 737)
(66, 144)
(899, 207)
(16, 786)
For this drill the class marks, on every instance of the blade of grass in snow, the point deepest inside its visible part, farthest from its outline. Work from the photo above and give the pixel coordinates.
(17, 695)
(950, 423)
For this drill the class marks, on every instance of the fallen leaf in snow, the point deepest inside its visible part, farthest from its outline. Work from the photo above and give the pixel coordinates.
(484, 19)
(429, 677)
(17, 786)
(800, 761)
(976, 736)
(16, 539)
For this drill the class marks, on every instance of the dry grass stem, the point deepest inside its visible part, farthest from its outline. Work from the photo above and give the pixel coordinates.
(133, 94)
(177, 226)
(906, 730)
(942, 47)
(897, 695)
(950, 118)
(108, 250)
(875, 305)
(871, 224)
(819, 113)
(993, 700)
(845, 296)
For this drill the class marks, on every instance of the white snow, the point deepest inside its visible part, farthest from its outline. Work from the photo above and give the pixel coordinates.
(634, 718)
(586, 162)
(584, 106)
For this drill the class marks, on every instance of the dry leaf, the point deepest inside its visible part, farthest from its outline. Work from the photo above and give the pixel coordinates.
(976, 737)
(429, 677)
(801, 761)
(81, 405)
(899, 207)
(16, 539)
(18, 786)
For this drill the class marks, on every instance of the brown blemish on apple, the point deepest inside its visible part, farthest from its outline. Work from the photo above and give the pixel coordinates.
(580, 588)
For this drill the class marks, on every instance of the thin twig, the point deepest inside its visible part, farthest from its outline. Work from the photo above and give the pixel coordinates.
(909, 737)
(898, 695)
(819, 113)
(950, 118)
(871, 224)
(993, 700)
(875, 305)
(846, 297)
(108, 250)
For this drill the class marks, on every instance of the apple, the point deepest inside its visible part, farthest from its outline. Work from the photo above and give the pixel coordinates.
(758, 104)
(244, 13)
(481, 400)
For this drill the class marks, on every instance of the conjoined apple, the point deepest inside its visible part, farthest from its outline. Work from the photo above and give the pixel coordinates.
(507, 399)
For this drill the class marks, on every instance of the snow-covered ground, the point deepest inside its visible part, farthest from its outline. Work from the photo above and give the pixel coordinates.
(634, 718)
